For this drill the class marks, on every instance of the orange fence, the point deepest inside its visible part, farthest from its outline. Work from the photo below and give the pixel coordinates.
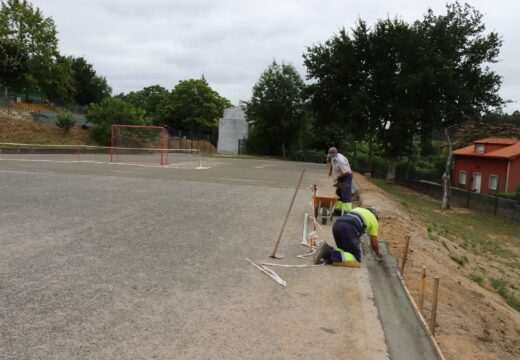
(33, 107)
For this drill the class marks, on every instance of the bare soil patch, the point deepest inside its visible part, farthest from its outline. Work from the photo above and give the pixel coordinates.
(473, 321)
(21, 129)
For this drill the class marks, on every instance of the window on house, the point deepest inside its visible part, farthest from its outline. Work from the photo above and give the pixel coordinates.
(462, 178)
(493, 182)
(480, 148)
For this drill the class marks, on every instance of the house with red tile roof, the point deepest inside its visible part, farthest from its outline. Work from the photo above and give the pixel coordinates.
(487, 165)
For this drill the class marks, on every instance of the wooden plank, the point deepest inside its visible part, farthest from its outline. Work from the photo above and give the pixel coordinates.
(352, 264)
(434, 343)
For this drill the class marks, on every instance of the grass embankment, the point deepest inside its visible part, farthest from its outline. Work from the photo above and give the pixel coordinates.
(29, 132)
(482, 234)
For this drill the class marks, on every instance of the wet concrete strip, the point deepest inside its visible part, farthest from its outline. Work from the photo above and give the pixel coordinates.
(404, 335)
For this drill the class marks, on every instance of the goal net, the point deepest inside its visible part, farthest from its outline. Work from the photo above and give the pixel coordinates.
(135, 143)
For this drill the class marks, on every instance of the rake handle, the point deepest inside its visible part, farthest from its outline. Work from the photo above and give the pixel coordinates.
(287, 216)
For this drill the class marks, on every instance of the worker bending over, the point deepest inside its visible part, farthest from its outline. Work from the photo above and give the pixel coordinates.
(341, 172)
(347, 230)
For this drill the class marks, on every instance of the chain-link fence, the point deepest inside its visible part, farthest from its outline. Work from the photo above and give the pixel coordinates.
(11, 101)
(50, 117)
(186, 140)
(5, 101)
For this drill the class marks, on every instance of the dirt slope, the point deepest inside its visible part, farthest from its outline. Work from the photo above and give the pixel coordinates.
(20, 129)
(473, 323)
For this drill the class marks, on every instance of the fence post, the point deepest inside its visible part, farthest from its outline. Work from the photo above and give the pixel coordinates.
(423, 288)
(467, 201)
(496, 197)
(434, 305)
(405, 254)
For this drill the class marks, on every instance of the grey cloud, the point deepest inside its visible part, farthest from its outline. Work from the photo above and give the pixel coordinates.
(139, 43)
(157, 8)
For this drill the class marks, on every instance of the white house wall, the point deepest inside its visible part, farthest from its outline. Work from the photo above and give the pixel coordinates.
(231, 128)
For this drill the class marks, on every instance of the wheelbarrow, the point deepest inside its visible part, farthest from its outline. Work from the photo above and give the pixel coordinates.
(323, 204)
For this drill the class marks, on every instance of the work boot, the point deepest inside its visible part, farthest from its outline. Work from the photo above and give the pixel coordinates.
(321, 253)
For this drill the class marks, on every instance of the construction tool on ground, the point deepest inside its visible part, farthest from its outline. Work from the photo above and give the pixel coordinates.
(291, 265)
(352, 264)
(304, 237)
(274, 254)
(323, 204)
(268, 272)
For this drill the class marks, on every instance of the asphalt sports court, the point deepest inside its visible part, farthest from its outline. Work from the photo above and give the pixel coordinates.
(133, 261)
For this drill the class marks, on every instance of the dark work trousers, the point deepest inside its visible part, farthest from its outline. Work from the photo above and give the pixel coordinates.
(347, 239)
(344, 190)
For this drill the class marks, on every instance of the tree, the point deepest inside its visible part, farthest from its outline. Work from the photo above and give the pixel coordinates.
(34, 34)
(193, 106)
(501, 118)
(462, 86)
(364, 83)
(88, 86)
(13, 63)
(58, 82)
(338, 93)
(398, 80)
(150, 99)
(395, 80)
(112, 111)
(277, 106)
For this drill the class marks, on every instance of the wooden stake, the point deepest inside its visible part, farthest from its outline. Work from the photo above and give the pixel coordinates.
(423, 288)
(434, 305)
(405, 254)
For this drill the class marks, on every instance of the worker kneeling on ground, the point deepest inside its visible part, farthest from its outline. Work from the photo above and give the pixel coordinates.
(347, 230)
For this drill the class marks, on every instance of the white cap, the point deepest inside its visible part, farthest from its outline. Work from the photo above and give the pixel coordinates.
(333, 151)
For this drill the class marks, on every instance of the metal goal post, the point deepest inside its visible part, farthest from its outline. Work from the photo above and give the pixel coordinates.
(139, 143)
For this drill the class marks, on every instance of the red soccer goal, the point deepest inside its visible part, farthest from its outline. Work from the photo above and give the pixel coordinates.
(136, 143)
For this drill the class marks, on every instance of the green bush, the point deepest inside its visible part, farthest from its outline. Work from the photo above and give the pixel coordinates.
(479, 279)
(504, 195)
(64, 121)
(309, 155)
(259, 143)
(113, 111)
(361, 164)
(428, 148)
(503, 289)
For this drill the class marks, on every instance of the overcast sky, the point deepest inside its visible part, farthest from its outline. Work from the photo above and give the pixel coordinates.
(136, 43)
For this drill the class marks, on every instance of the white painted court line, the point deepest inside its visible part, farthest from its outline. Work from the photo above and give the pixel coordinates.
(108, 163)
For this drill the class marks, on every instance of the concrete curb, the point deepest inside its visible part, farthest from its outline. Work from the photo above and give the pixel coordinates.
(404, 334)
